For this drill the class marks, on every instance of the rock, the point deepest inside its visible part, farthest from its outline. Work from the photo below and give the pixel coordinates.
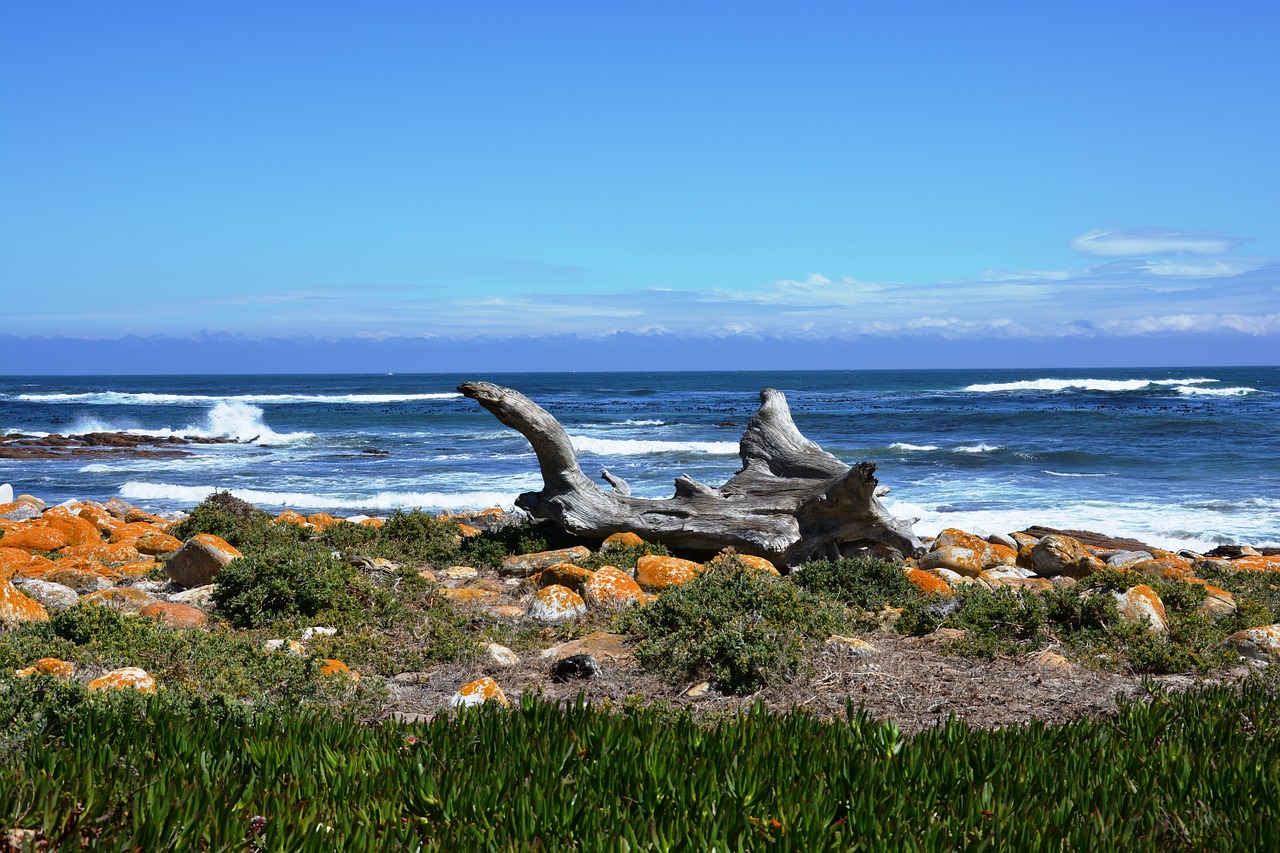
(655, 574)
(1004, 539)
(928, 582)
(198, 562)
(16, 607)
(1217, 601)
(125, 678)
(119, 554)
(523, 565)
(946, 635)
(33, 500)
(1056, 554)
(611, 587)
(564, 574)
(478, 692)
(601, 645)
(309, 634)
(1053, 660)
(175, 616)
(333, 666)
(36, 538)
(6, 494)
(506, 611)
(197, 596)
(1260, 645)
(1163, 569)
(47, 666)
(1121, 559)
(77, 530)
(1141, 605)
(133, 514)
(427, 575)
(81, 577)
(469, 595)
(125, 599)
(850, 645)
(962, 561)
(1241, 564)
(18, 511)
(459, 572)
(118, 507)
(575, 667)
(622, 540)
(556, 603)
(157, 542)
(1089, 539)
(499, 655)
(759, 564)
(292, 647)
(54, 596)
(1036, 585)
(699, 689)
(990, 554)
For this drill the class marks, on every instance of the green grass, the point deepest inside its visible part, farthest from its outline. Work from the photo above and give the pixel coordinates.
(122, 772)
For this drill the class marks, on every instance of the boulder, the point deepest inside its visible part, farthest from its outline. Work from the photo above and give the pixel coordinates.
(962, 561)
(564, 574)
(1141, 605)
(118, 507)
(928, 582)
(126, 599)
(333, 666)
(458, 573)
(198, 562)
(611, 587)
(33, 500)
(18, 511)
(469, 595)
(850, 646)
(17, 607)
(478, 692)
(197, 596)
(500, 655)
(601, 645)
(118, 554)
(1056, 554)
(158, 542)
(36, 538)
(77, 530)
(82, 576)
(991, 554)
(556, 603)
(523, 565)
(6, 494)
(47, 666)
(1121, 559)
(509, 612)
(175, 616)
(1260, 645)
(655, 574)
(579, 667)
(54, 596)
(125, 678)
(622, 540)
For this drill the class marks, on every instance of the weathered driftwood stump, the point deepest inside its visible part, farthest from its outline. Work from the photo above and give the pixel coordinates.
(791, 501)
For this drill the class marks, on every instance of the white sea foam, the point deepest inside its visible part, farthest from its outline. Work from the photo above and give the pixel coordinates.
(126, 398)
(902, 445)
(1060, 474)
(975, 448)
(645, 447)
(1084, 384)
(385, 501)
(236, 421)
(1174, 527)
(1195, 391)
(639, 423)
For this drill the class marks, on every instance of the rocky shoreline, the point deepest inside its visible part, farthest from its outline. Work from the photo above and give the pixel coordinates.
(18, 445)
(125, 558)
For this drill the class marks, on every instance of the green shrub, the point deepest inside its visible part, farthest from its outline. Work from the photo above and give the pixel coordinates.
(624, 557)
(347, 537)
(865, 584)
(239, 523)
(282, 581)
(740, 627)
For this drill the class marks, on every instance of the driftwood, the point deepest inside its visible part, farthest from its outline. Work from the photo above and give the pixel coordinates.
(792, 501)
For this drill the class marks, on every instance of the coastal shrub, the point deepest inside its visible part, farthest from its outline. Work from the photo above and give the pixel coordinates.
(862, 583)
(239, 523)
(300, 579)
(1257, 594)
(347, 537)
(418, 536)
(740, 627)
(624, 557)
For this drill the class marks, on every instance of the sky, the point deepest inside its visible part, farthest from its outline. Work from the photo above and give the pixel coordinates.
(421, 185)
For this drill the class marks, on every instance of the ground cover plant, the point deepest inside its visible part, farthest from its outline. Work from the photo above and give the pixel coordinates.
(123, 772)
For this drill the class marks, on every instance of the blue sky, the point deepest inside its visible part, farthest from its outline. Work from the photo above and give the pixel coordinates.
(1099, 178)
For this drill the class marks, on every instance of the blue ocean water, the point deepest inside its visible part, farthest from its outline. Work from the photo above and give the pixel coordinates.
(1185, 457)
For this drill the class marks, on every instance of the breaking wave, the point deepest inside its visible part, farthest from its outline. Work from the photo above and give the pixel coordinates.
(1088, 385)
(124, 398)
(645, 447)
(384, 501)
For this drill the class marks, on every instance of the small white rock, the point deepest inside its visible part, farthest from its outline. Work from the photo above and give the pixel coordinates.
(500, 655)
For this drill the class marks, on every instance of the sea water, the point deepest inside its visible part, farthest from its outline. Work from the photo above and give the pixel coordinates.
(1177, 457)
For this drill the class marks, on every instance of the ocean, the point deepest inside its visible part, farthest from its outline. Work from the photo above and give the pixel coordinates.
(1177, 457)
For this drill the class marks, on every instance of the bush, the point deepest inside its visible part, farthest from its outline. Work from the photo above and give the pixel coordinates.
(280, 582)
(866, 584)
(741, 627)
(239, 523)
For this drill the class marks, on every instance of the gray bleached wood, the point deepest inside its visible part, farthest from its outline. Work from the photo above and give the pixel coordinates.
(790, 502)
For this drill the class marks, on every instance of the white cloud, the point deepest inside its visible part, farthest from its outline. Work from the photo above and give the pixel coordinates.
(1142, 241)
(1207, 268)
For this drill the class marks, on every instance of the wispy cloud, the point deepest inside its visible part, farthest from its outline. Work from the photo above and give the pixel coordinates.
(1142, 241)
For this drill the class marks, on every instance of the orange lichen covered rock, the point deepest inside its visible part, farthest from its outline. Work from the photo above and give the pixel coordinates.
(104, 522)
(655, 574)
(1162, 568)
(156, 542)
(1056, 554)
(133, 514)
(556, 603)
(962, 561)
(77, 530)
(18, 511)
(478, 692)
(928, 583)
(125, 678)
(611, 587)
(759, 564)
(991, 554)
(32, 538)
(373, 522)
(1240, 564)
(175, 616)
(469, 595)
(16, 607)
(11, 560)
(468, 531)
(103, 552)
(82, 575)
(565, 574)
(333, 666)
(199, 560)
(125, 599)
(626, 539)
(291, 517)
(523, 565)
(1141, 605)
(47, 666)
(1261, 645)
(130, 532)
(36, 567)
